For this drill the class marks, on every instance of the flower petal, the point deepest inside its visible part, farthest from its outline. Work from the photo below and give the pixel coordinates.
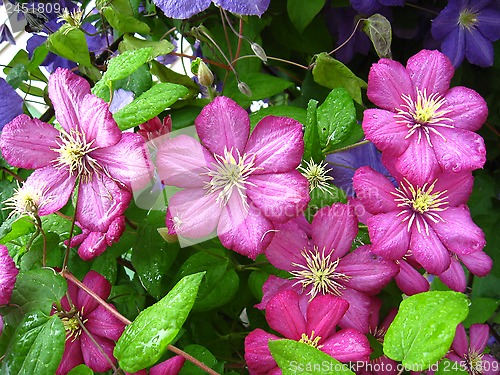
(458, 232)
(182, 9)
(192, 213)
(100, 201)
(450, 182)
(257, 354)
(127, 161)
(368, 272)
(11, 104)
(479, 263)
(479, 335)
(487, 21)
(71, 358)
(171, 366)
(182, 161)
(99, 285)
(93, 245)
(279, 196)
(409, 280)
(102, 323)
(462, 151)
(454, 277)
(381, 128)
(8, 275)
(284, 316)
(389, 235)
(66, 91)
(388, 80)
(272, 286)
(244, 230)
(93, 356)
(323, 314)
(427, 167)
(468, 109)
(223, 124)
(428, 249)
(478, 48)
(453, 46)
(334, 228)
(490, 365)
(245, 7)
(358, 314)
(460, 343)
(374, 190)
(29, 143)
(348, 345)
(277, 143)
(431, 71)
(446, 21)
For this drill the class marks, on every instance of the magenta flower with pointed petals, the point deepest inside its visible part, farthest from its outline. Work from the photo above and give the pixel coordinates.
(93, 345)
(427, 221)
(322, 264)
(8, 275)
(234, 182)
(89, 148)
(314, 324)
(423, 124)
(171, 366)
(470, 354)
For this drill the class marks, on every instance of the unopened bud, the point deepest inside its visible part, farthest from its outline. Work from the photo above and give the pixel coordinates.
(259, 51)
(205, 75)
(244, 89)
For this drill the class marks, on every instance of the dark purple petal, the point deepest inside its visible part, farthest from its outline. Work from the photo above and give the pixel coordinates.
(99, 285)
(244, 7)
(28, 143)
(284, 316)
(71, 358)
(182, 9)
(8, 275)
(490, 365)
(453, 46)
(102, 323)
(93, 356)
(478, 48)
(257, 354)
(6, 34)
(460, 343)
(323, 314)
(446, 21)
(479, 335)
(11, 104)
(358, 314)
(487, 22)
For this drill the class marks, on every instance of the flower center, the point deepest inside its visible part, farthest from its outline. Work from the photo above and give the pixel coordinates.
(424, 116)
(467, 19)
(317, 175)
(71, 322)
(474, 362)
(313, 341)
(423, 201)
(230, 174)
(73, 19)
(74, 154)
(319, 271)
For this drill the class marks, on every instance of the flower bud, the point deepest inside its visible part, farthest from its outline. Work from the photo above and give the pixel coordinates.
(259, 51)
(244, 89)
(205, 75)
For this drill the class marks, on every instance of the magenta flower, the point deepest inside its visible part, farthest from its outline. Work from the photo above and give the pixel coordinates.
(318, 258)
(234, 182)
(90, 149)
(93, 345)
(8, 275)
(478, 263)
(315, 325)
(427, 221)
(470, 355)
(171, 366)
(423, 126)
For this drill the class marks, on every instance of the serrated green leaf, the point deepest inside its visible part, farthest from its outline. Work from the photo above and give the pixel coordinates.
(124, 22)
(36, 347)
(145, 340)
(336, 118)
(71, 45)
(378, 28)
(332, 73)
(312, 148)
(294, 357)
(424, 328)
(161, 47)
(81, 370)
(302, 12)
(149, 104)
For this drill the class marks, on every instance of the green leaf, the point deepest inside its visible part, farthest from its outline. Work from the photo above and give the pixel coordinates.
(149, 104)
(138, 82)
(165, 74)
(161, 47)
(36, 347)
(123, 22)
(378, 28)
(81, 370)
(126, 63)
(294, 357)
(424, 328)
(35, 290)
(145, 340)
(71, 45)
(33, 258)
(13, 228)
(296, 113)
(39, 55)
(447, 367)
(332, 73)
(200, 353)
(303, 12)
(480, 310)
(336, 118)
(17, 75)
(312, 148)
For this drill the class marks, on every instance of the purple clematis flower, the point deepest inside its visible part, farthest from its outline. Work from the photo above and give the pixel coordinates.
(6, 34)
(428, 221)
(234, 182)
(93, 345)
(467, 28)
(470, 355)
(90, 149)
(424, 127)
(11, 104)
(315, 325)
(8, 275)
(183, 9)
(374, 6)
(320, 263)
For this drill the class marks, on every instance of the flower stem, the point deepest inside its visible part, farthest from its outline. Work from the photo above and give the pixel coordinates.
(360, 143)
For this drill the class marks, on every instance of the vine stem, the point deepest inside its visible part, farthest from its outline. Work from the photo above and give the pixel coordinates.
(360, 143)
(69, 276)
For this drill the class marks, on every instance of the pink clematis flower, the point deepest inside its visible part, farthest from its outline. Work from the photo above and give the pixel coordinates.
(423, 126)
(93, 345)
(470, 355)
(89, 148)
(318, 258)
(313, 324)
(171, 366)
(8, 275)
(234, 182)
(428, 222)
